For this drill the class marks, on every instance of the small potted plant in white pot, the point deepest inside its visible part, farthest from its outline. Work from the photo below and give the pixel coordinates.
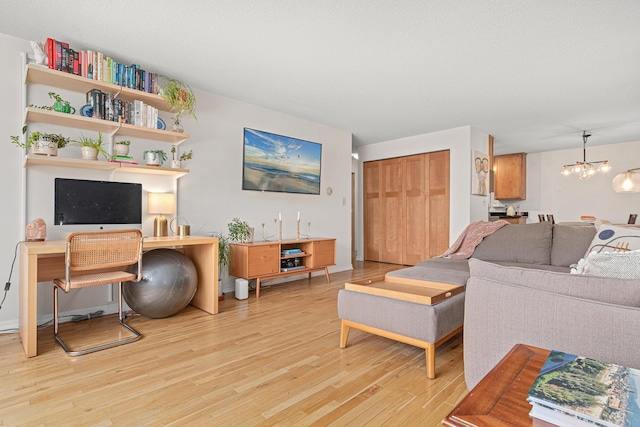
(121, 148)
(91, 147)
(154, 157)
(45, 144)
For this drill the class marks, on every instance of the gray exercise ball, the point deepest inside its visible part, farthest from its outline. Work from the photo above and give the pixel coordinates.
(169, 282)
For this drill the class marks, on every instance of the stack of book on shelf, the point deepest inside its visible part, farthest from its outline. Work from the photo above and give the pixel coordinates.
(577, 391)
(96, 66)
(289, 252)
(123, 159)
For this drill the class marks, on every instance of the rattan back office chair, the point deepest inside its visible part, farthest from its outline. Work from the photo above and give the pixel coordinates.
(87, 255)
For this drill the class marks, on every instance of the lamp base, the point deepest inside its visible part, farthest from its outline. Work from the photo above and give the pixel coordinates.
(160, 226)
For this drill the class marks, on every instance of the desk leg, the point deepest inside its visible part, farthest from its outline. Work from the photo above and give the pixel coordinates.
(205, 258)
(28, 318)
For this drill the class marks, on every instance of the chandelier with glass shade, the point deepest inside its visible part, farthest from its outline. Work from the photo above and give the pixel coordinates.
(583, 169)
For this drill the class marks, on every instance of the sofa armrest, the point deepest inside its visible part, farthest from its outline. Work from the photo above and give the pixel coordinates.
(499, 315)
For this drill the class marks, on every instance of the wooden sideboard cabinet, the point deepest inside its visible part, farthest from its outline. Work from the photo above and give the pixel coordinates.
(268, 260)
(510, 176)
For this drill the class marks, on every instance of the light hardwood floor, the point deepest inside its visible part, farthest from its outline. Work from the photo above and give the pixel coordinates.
(273, 361)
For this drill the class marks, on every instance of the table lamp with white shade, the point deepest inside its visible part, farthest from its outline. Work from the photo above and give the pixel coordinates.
(161, 203)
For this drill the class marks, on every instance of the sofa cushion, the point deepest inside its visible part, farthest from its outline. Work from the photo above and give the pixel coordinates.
(609, 238)
(623, 265)
(457, 272)
(606, 290)
(525, 243)
(570, 242)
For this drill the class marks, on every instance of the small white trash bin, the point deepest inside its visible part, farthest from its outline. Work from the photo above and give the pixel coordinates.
(242, 289)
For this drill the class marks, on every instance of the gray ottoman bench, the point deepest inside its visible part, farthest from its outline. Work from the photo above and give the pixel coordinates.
(421, 325)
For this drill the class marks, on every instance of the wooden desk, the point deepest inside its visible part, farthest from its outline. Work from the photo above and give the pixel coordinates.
(44, 261)
(500, 399)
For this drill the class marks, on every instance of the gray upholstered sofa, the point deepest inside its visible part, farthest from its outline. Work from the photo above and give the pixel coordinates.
(530, 312)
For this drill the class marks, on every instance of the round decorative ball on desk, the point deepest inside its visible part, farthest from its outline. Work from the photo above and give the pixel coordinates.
(169, 282)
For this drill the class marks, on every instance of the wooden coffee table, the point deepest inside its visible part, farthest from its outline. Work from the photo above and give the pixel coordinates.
(500, 398)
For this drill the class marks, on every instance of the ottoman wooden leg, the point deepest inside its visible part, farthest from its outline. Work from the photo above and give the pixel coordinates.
(430, 352)
(344, 334)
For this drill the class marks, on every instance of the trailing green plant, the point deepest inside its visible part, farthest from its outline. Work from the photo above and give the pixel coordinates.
(239, 231)
(179, 97)
(92, 142)
(35, 136)
(187, 155)
(56, 97)
(123, 142)
(160, 153)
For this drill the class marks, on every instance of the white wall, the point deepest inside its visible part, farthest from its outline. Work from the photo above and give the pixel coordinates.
(568, 197)
(464, 207)
(209, 197)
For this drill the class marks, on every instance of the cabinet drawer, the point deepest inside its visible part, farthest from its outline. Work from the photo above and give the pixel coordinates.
(324, 254)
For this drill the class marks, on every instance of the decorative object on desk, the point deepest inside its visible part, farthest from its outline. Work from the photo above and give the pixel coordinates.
(578, 391)
(91, 147)
(627, 182)
(154, 157)
(179, 229)
(264, 168)
(36, 230)
(43, 144)
(584, 169)
(60, 105)
(511, 210)
(480, 173)
(39, 53)
(161, 203)
(180, 99)
(121, 148)
(169, 282)
(239, 231)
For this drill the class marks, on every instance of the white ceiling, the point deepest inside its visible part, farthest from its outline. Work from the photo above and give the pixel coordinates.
(532, 73)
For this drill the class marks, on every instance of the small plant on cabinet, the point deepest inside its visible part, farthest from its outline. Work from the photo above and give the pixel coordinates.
(239, 231)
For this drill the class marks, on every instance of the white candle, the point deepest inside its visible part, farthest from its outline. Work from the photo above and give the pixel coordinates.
(298, 215)
(279, 216)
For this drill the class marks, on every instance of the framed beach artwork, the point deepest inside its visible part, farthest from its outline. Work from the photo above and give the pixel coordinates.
(279, 163)
(479, 173)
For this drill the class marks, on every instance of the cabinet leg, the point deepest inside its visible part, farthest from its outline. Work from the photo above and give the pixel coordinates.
(326, 273)
(257, 288)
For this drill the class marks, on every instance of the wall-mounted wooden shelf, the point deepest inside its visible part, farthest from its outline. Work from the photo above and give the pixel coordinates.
(39, 74)
(33, 160)
(37, 115)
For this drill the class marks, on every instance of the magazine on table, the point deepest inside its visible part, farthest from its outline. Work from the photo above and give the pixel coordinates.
(576, 391)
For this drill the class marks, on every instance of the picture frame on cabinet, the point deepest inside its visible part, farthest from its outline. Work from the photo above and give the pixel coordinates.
(479, 173)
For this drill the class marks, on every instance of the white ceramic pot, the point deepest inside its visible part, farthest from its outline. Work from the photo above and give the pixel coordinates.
(176, 164)
(89, 153)
(45, 147)
(152, 159)
(121, 149)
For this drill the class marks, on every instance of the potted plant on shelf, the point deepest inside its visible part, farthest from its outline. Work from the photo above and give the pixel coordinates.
(154, 157)
(239, 231)
(180, 99)
(60, 104)
(121, 148)
(45, 144)
(91, 147)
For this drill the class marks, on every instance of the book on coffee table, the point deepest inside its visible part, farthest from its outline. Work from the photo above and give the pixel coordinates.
(577, 391)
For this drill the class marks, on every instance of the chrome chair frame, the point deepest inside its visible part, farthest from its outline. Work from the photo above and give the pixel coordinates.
(92, 253)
